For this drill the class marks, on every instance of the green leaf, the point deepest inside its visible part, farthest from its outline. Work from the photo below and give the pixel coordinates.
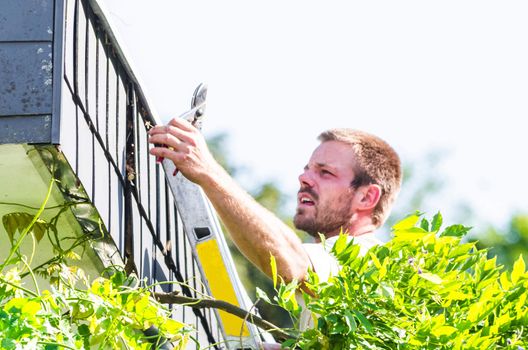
(474, 311)
(503, 319)
(350, 320)
(288, 343)
(490, 263)
(363, 320)
(83, 330)
(431, 277)
(408, 222)
(437, 222)
(172, 326)
(505, 283)
(18, 221)
(443, 331)
(520, 305)
(262, 295)
(375, 260)
(409, 235)
(455, 231)
(387, 291)
(518, 269)
(350, 253)
(340, 244)
(31, 308)
(457, 295)
(424, 224)
(273, 264)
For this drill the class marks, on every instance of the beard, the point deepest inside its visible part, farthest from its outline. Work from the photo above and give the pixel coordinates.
(329, 216)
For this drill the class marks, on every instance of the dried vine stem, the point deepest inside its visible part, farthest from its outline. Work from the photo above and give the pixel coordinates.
(177, 298)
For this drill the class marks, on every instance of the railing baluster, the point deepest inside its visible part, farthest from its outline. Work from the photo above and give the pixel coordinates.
(97, 43)
(75, 79)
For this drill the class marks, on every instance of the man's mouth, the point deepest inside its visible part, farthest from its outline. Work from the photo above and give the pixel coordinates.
(304, 199)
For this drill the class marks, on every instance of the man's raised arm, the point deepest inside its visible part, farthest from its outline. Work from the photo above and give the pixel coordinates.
(255, 230)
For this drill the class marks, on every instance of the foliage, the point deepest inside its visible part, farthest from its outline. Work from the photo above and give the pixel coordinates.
(110, 312)
(73, 314)
(422, 290)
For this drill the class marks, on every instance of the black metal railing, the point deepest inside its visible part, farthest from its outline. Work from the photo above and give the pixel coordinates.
(105, 126)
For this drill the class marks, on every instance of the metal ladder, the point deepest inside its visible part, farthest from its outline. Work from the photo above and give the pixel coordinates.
(209, 246)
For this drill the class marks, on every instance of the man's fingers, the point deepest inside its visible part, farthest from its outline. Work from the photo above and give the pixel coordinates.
(169, 141)
(176, 122)
(170, 136)
(182, 124)
(160, 129)
(169, 153)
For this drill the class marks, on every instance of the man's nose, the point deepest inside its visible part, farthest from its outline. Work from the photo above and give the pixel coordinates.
(305, 179)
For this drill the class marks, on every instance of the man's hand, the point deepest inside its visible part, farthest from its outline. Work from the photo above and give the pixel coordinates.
(182, 143)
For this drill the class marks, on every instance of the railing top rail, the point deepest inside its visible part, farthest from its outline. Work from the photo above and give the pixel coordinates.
(148, 110)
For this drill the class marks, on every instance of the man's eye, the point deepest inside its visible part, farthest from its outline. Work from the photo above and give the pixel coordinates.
(326, 172)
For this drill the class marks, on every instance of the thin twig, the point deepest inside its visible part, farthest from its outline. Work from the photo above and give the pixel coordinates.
(177, 298)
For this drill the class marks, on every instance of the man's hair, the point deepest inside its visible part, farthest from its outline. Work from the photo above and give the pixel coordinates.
(376, 163)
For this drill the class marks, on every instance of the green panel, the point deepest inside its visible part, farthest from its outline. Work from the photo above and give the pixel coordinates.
(24, 181)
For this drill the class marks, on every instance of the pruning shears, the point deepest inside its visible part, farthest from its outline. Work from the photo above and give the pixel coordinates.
(195, 114)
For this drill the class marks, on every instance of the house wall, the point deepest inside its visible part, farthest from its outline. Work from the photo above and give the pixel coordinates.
(29, 52)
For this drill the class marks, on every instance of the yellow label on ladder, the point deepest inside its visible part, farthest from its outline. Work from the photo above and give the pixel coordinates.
(221, 285)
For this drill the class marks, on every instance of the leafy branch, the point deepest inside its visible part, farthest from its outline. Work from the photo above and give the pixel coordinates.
(424, 289)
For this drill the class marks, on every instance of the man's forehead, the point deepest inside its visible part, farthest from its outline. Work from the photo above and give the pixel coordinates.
(333, 153)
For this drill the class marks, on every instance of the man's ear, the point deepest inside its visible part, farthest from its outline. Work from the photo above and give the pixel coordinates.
(370, 196)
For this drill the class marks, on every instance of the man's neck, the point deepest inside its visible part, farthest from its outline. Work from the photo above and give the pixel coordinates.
(352, 230)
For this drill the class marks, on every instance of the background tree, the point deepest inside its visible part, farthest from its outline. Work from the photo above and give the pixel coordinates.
(507, 244)
(422, 180)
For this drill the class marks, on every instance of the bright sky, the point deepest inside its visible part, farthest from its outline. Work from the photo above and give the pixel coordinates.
(425, 76)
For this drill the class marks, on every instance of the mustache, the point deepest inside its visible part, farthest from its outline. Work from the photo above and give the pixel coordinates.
(309, 191)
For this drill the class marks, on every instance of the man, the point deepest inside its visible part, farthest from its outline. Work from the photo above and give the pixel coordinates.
(349, 185)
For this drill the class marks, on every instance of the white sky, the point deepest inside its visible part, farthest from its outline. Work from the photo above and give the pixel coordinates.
(423, 75)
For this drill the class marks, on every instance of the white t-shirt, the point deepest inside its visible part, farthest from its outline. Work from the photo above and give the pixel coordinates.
(326, 265)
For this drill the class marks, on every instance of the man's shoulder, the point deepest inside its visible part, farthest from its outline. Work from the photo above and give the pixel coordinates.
(365, 242)
(321, 259)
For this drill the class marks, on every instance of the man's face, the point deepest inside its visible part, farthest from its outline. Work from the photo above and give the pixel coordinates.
(324, 201)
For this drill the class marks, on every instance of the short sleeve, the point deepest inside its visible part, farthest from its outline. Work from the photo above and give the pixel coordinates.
(323, 262)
